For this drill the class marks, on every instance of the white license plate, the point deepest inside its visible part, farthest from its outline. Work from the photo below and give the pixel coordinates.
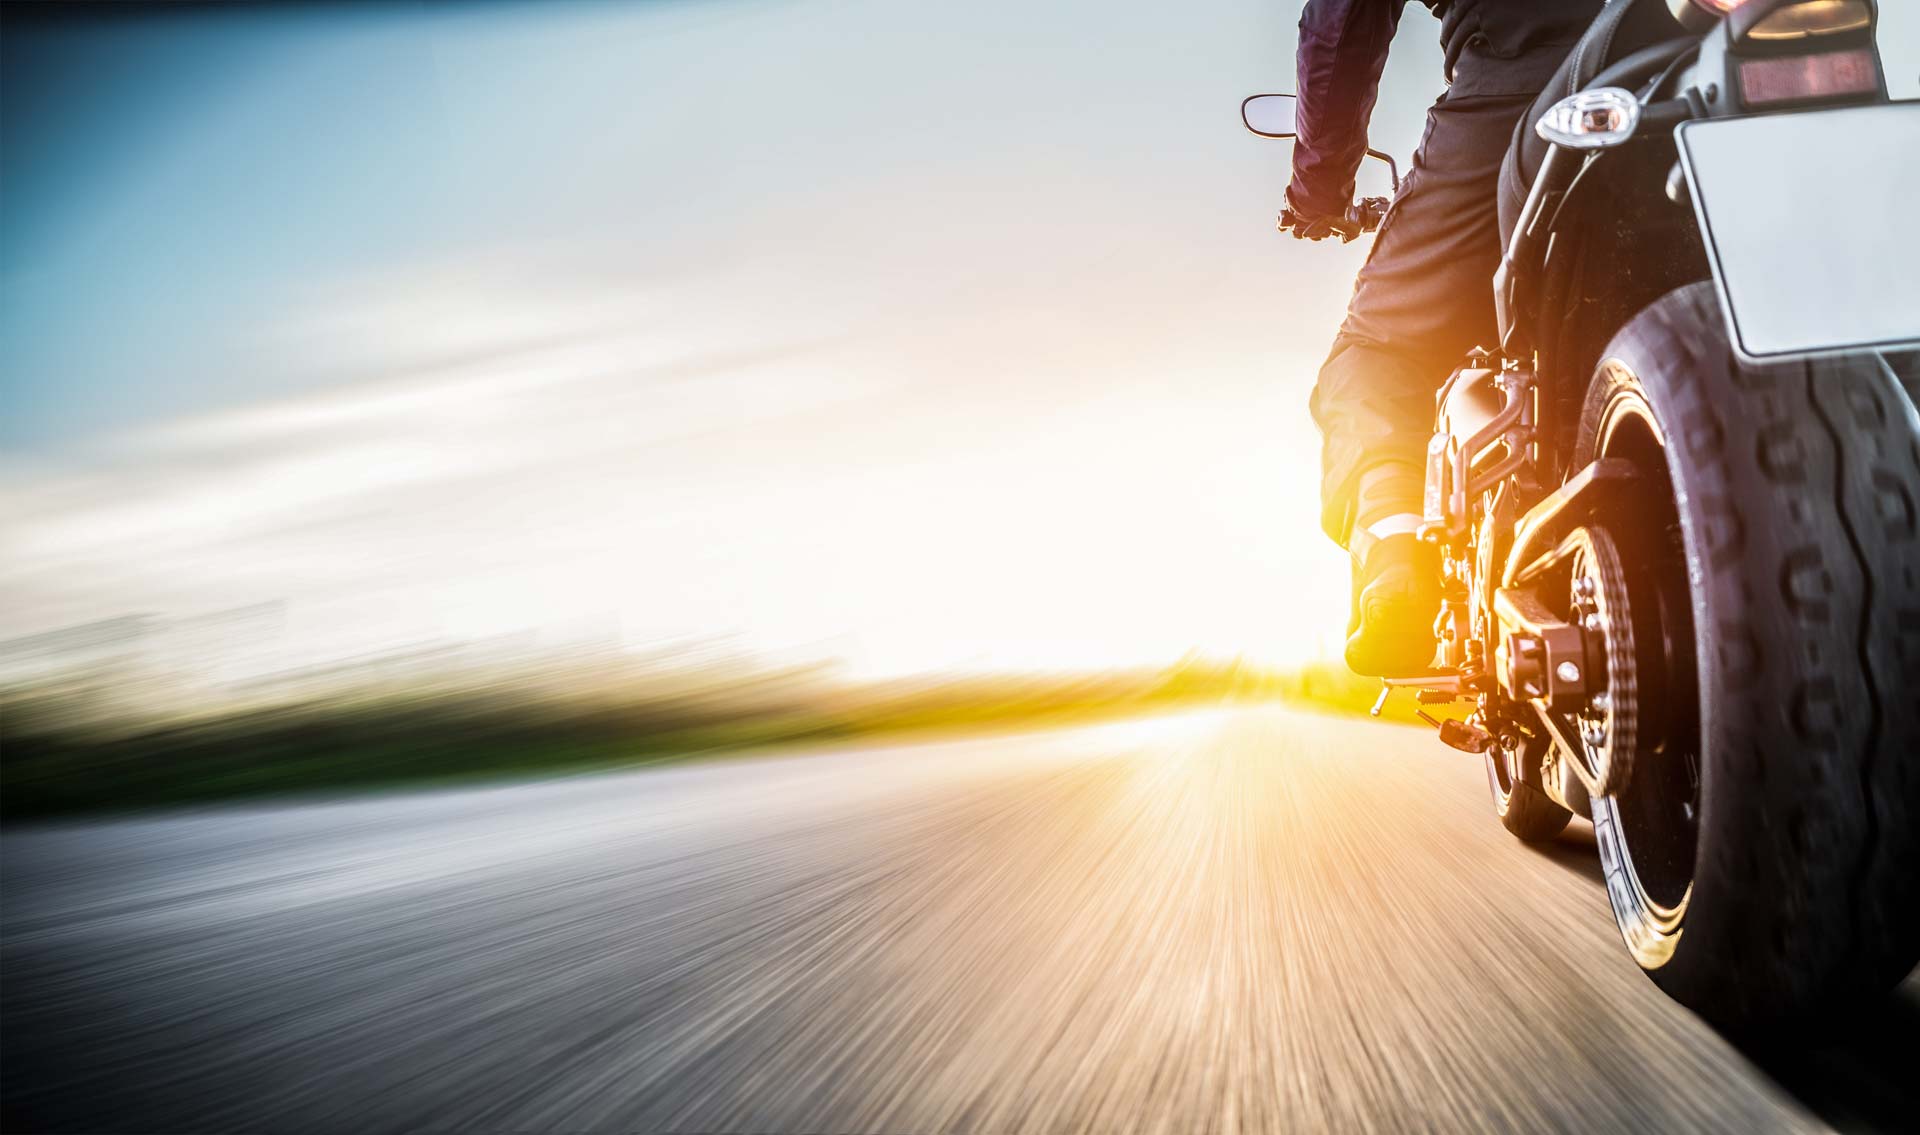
(1812, 221)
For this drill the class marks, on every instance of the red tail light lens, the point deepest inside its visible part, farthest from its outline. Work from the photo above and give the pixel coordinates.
(1700, 14)
(1805, 78)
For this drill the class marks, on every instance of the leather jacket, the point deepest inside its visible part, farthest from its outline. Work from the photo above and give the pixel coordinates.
(1493, 47)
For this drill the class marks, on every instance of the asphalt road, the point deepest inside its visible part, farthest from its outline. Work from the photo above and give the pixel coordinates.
(1230, 921)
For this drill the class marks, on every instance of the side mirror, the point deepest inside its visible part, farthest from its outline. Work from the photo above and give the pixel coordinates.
(1270, 116)
(1273, 116)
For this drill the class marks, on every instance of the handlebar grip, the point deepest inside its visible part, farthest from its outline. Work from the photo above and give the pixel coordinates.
(1363, 216)
(1366, 214)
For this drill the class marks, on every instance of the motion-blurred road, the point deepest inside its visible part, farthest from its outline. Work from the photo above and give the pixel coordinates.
(1249, 920)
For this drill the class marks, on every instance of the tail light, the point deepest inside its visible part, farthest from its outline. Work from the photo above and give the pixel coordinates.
(1811, 18)
(1700, 14)
(1808, 78)
(1808, 17)
(1784, 53)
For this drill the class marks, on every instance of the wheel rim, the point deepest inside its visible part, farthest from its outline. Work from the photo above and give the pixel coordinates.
(1608, 723)
(1507, 758)
(1648, 829)
(1506, 762)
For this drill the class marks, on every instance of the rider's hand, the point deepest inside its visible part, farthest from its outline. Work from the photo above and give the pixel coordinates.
(1304, 227)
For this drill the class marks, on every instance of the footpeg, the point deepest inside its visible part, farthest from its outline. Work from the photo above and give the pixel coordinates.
(1436, 688)
(1456, 734)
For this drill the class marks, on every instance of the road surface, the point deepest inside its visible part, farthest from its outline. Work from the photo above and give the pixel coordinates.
(1217, 922)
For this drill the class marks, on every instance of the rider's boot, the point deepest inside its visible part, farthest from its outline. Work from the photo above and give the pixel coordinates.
(1396, 578)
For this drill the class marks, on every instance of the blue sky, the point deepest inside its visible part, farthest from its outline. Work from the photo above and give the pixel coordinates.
(178, 187)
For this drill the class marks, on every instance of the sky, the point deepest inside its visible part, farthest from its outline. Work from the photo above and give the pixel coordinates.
(913, 336)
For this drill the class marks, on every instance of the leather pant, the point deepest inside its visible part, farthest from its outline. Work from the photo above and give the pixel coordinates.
(1425, 295)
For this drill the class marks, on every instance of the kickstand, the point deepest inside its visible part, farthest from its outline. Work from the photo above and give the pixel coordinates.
(1380, 702)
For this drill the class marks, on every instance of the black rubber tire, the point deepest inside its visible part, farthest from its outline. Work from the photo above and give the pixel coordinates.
(1802, 526)
(1529, 814)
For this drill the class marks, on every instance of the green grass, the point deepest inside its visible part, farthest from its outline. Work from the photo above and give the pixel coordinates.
(52, 766)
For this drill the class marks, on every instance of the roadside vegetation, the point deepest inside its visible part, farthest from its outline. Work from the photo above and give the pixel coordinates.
(107, 739)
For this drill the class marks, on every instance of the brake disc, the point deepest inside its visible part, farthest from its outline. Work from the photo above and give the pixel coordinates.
(1608, 722)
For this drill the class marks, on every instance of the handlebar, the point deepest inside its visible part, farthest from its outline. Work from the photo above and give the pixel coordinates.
(1363, 216)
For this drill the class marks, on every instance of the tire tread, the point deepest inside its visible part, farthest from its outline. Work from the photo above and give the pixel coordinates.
(1804, 589)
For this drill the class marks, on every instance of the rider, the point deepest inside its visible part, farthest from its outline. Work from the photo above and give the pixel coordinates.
(1425, 295)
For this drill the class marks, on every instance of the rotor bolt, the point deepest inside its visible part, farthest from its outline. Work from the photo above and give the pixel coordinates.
(1568, 671)
(1602, 701)
(1583, 586)
(1594, 623)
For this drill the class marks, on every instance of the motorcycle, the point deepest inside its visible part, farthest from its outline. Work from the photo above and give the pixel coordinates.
(1678, 501)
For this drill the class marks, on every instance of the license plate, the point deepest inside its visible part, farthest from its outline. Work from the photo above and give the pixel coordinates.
(1813, 227)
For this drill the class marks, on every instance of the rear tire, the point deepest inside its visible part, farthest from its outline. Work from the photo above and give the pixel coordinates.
(1802, 529)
